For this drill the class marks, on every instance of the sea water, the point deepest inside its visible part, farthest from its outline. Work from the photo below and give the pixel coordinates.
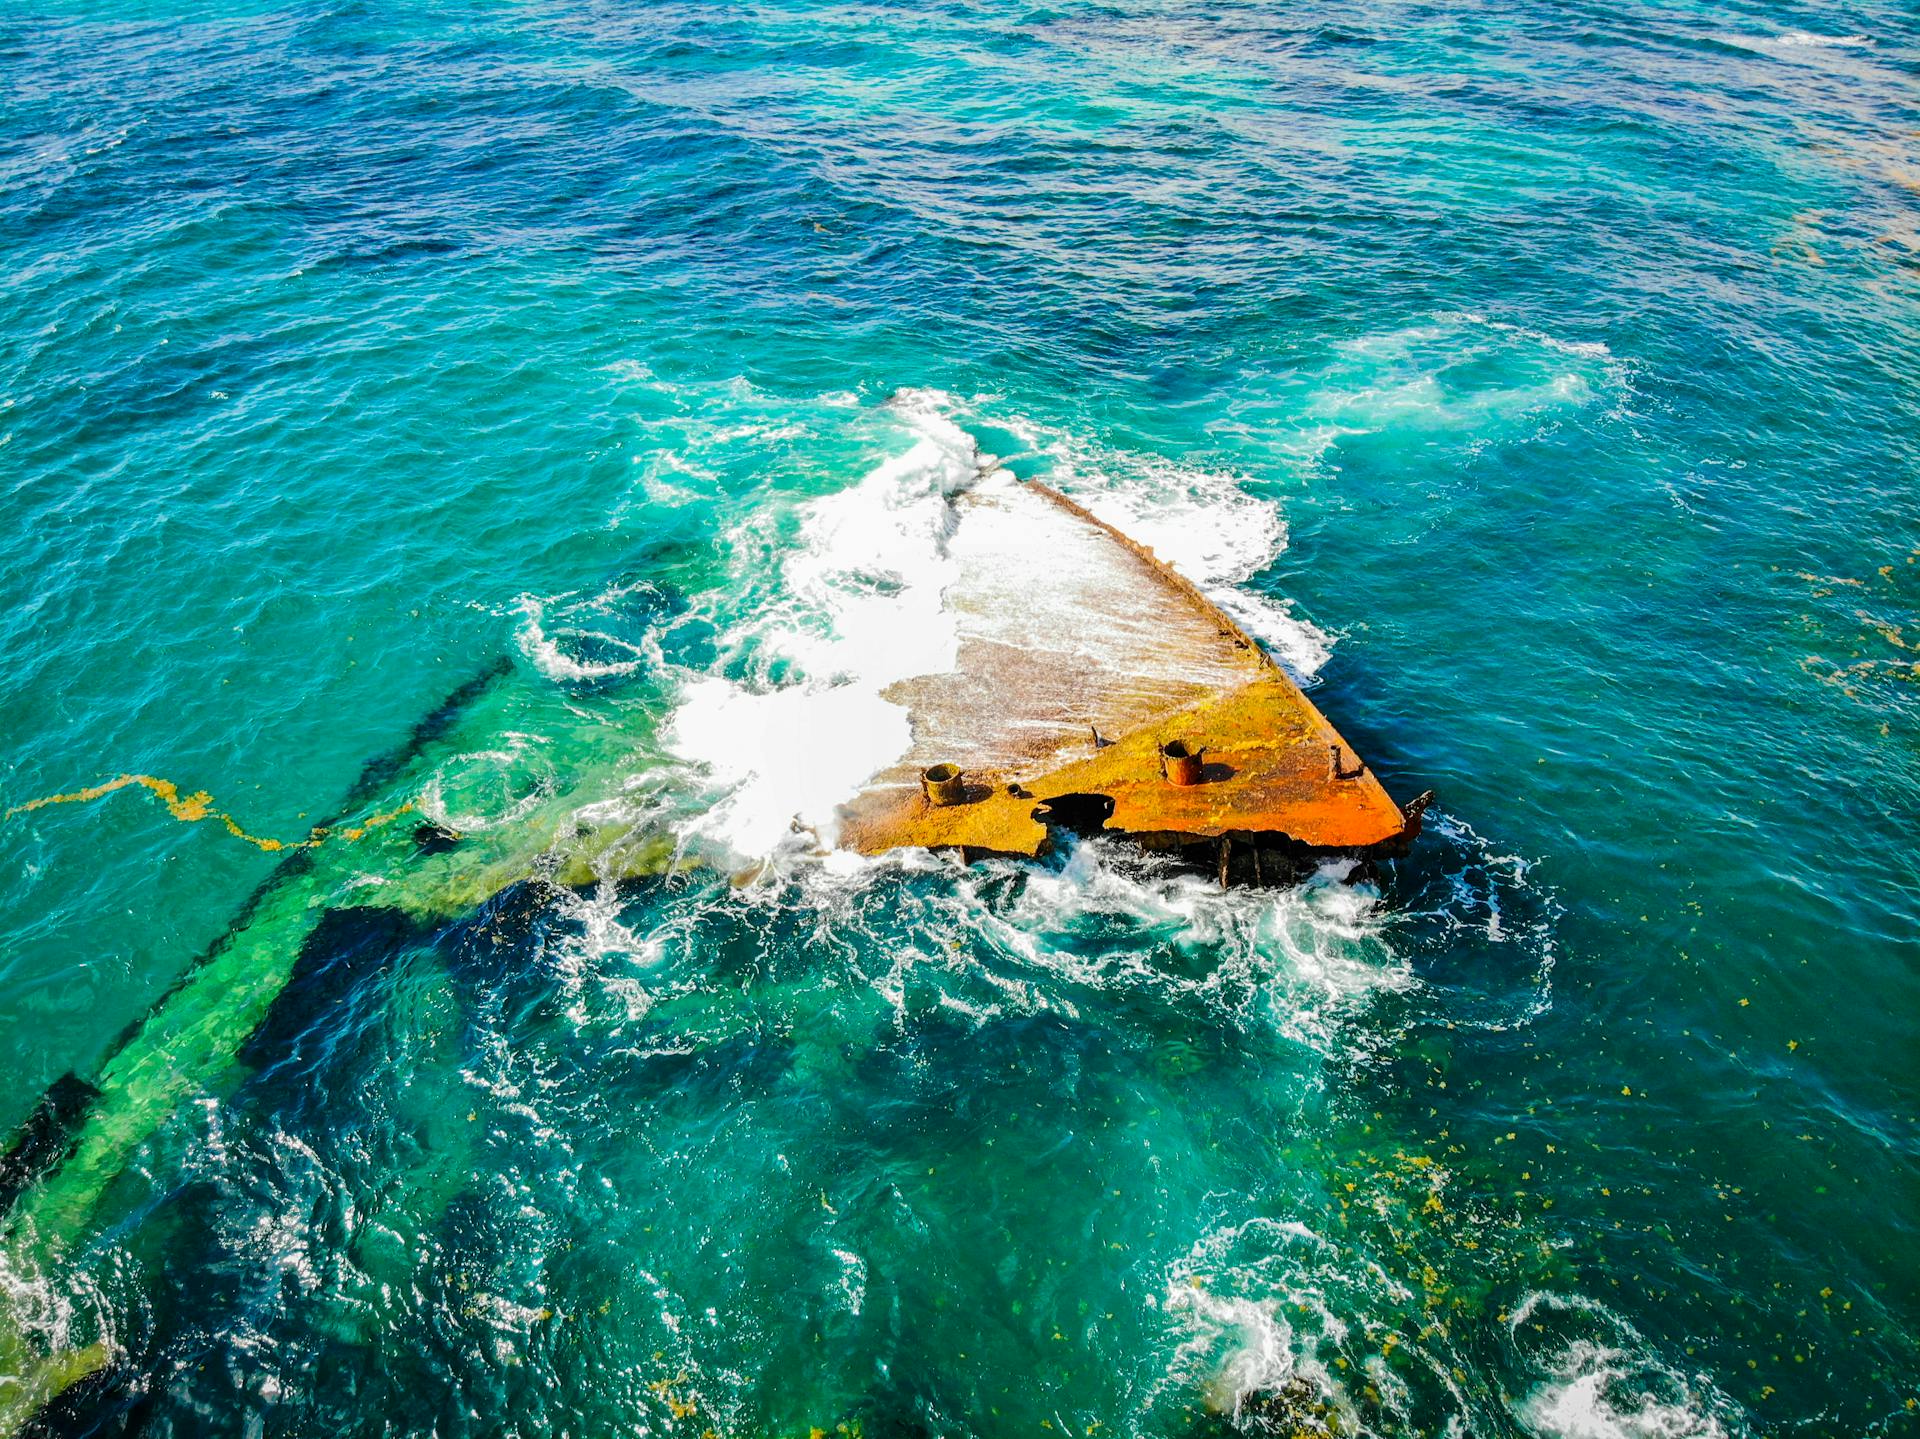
(1537, 381)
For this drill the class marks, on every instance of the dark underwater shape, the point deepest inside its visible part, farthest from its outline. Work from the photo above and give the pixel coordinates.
(46, 1137)
(347, 949)
(68, 1154)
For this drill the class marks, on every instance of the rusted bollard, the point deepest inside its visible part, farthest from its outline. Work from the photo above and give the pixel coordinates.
(944, 784)
(1179, 763)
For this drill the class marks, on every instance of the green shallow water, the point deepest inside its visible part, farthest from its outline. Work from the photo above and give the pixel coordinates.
(1539, 382)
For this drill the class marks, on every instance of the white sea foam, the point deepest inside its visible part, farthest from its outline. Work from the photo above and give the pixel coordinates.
(872, 565)
(786, 757)
(858, 607)
(1235, 1290)
(1299, 962)
(1321, 944)
(1256, 1317)
(852, 1280)
(1203, 522)
(580, 644)
(846, 596)
(1583, 349)
(1259, 1343)
(1219, 536)
(1401, 380)
(1807, 40)
(1598, 1400)
(1599, 1379)
(669, 480)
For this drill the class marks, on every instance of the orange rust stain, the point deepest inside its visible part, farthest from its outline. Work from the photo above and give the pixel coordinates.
(192, 808)
(1269, 771)
(1274, 769)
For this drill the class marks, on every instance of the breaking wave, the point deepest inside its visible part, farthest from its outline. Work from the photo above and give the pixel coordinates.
(1596, 1378)
(1807, 40)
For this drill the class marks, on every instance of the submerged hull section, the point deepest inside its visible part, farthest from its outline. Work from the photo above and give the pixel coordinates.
(1080, 655)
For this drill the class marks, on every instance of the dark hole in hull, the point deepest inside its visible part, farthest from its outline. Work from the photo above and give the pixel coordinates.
(1082, 814)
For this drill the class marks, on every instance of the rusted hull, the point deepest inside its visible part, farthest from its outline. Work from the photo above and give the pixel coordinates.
(1095, 689)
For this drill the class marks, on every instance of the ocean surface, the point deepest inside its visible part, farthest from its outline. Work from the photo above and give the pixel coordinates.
(516, 420)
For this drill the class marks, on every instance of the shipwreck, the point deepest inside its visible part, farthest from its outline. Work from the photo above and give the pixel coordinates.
(1095, 690)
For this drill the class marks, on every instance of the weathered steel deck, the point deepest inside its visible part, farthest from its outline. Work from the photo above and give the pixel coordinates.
(1079, 654)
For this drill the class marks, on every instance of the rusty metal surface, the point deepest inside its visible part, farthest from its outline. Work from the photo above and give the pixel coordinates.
(1079, 655)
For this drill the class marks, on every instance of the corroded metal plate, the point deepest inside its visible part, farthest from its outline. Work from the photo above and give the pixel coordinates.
(1079, 653)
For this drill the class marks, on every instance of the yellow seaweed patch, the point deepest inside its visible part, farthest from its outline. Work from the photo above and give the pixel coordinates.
(192, 808)
(1898, 657)
(679, 1406)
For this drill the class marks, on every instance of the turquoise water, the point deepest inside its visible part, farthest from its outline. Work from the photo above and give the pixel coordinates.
(1541, 379)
